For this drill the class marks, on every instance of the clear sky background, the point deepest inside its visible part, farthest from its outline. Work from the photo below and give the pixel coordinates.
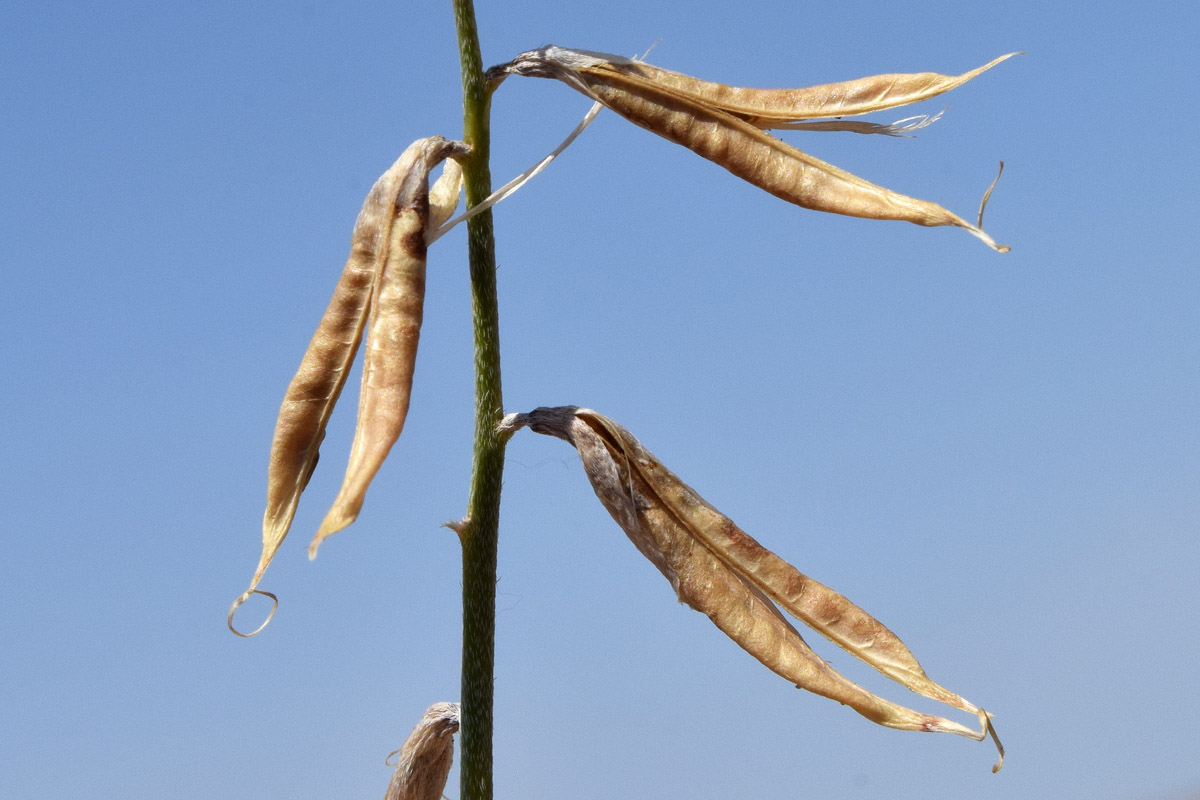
(997, 455)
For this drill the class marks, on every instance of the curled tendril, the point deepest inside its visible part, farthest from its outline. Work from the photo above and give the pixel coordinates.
(988, 194)
(986, 720)
(238, 604)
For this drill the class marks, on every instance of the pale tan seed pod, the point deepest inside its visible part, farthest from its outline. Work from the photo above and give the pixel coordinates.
(313, 392)
(426, 757)
(719, 570)
(777, 108)
(394, 330)
(730, 141)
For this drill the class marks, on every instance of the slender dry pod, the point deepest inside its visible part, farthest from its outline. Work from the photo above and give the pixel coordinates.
(426, 756)
(718, 569)
(394, 330)
(777, 108)
(732, 142)
(314, 390)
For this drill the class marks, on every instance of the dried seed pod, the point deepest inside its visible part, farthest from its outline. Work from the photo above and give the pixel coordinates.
(318, 383)
(730, 141)
(778, 108)
(397, 309)
(719, 570)
(426, 756)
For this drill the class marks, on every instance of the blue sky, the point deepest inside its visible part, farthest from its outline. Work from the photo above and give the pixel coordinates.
(997, 455)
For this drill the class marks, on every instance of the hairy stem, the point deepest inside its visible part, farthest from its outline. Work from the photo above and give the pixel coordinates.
(480, 531)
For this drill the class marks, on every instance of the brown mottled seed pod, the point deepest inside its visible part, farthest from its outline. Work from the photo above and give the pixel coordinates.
(314, 390)
(394, 330)
(426, 756)
(697, 123)
(719, 570)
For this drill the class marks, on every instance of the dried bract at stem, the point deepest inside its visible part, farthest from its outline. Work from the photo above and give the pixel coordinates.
(718, 569)
(443, 198)
(426, 756)
(318, 383)
(697, 122)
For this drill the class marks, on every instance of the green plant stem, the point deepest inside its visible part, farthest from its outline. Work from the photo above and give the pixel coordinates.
(480, 532)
